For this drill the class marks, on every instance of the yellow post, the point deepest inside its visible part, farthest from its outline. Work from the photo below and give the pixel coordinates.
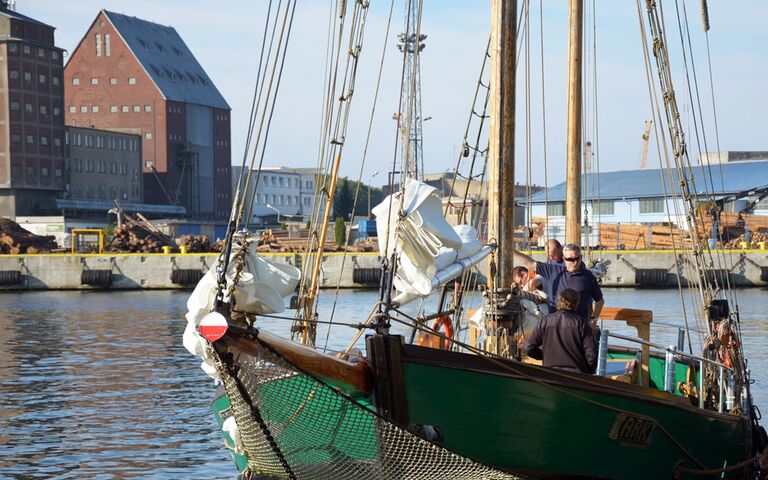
(762, 245)
(183, 249)
(166, 250)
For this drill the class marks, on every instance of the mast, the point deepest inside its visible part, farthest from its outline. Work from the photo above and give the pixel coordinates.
(501, 144)
(573, 165)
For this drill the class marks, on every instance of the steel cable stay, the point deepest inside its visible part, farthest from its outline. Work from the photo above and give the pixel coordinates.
(360, 174)
(721, 327)
(720, 256)
(661, 142)
(241, 196)
(700, 134)
(306, 313)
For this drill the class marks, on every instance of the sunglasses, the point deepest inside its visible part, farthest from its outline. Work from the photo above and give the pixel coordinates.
(574, 259)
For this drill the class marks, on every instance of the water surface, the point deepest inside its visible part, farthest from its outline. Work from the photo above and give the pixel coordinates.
(97, 385)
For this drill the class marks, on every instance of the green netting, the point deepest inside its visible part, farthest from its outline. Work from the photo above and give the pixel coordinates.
(294, 426)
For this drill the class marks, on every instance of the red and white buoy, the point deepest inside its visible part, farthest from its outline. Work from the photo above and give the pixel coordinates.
(213, 326)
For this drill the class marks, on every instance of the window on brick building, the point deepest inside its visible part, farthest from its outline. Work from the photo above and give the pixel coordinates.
(27, 50)
(30, 170)
(54, 55)
(131, 80)
(94, 81)
(15, 106)
(107, 46)
(43, 109)
(41, 78)
(13, 48)
(56, 111)
(113, 108)
(43, 140)
(148, 135)
(57, 142)
(41, 53)
(137, 108)
(147, 108)
(27, 76)
(113, 81)
(57, 172)
(15, 138)
(126, 109)
(28, 107)
(30, 139)
(83, 108)
(44, 171)
(72, 109)
(95, 108)
(13, 74)
(75, 81)
(55, 80)
(98, 44)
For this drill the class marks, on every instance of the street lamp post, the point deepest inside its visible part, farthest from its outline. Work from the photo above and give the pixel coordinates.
(276, 210)
(370, 180)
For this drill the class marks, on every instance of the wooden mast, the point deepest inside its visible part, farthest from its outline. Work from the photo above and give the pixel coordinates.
(573, 167)
(501, 145)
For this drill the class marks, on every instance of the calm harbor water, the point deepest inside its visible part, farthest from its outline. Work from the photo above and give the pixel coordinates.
(97, 385)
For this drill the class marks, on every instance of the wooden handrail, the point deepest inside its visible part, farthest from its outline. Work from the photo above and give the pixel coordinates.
(641, 320)
(336, 371)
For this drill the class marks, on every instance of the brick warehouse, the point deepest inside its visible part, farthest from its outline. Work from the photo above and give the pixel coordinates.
(31, 115)
(139, 77)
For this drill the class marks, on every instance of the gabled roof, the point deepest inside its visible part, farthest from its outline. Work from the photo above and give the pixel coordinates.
(168, 61)
(725, 178)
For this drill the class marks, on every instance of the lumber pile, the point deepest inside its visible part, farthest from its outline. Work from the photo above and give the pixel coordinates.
(642, 236)
(15, 240)
(138, 235)
(755, 239)
(279, 241)
(197, 244)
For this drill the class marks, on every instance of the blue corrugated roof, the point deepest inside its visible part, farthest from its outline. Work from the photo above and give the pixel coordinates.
(168, 61)
(726, 178)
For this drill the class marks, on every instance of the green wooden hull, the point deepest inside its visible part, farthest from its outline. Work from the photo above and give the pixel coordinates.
(532, 419)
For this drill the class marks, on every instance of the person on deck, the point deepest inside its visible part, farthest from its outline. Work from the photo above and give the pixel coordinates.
(572, 273)
(563, 340)
(554, 251)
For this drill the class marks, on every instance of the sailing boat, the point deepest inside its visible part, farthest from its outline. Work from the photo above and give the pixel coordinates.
(404, 410)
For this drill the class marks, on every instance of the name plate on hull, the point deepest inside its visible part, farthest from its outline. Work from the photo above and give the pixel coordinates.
(632, 429)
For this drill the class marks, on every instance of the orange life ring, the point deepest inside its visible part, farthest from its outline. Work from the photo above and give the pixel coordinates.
(446, 324)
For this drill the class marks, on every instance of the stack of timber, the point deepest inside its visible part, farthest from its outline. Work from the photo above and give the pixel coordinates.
(732, 224)
(198, 244)
(15, 240)
(642, 236)
(279, 241)
(755, 241)
(139, 235)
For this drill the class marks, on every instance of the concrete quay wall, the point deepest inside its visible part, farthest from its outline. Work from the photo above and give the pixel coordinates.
(660, 269)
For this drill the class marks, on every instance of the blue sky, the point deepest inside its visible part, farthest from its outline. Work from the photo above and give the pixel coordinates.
(225, 37)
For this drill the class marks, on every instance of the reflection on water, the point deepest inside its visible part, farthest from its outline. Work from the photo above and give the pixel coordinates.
(98, 385)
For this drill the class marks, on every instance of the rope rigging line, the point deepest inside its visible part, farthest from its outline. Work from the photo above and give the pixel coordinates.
(360, 174)
(306, 313)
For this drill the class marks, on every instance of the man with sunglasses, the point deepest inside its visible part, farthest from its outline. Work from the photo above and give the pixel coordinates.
(572, 273)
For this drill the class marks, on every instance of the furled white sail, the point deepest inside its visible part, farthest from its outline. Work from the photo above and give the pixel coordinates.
(430, 252)
(261, 287)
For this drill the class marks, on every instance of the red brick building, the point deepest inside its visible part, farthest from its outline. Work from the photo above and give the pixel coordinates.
(31, 115)
(135, 76)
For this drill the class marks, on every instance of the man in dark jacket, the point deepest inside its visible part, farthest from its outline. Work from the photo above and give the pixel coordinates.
(563, 339)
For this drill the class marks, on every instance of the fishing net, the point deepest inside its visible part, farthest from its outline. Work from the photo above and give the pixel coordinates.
(295, 426)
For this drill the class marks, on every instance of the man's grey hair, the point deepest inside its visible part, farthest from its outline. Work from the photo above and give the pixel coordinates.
(572, 247)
